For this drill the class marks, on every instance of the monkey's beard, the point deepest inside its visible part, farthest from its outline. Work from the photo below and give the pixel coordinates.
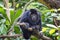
(34, 19)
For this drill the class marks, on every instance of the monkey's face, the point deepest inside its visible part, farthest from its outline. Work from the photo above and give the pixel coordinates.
(34, 17)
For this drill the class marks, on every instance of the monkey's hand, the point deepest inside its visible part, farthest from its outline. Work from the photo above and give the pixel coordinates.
(22, 24)
(26, 26)
(30, 29)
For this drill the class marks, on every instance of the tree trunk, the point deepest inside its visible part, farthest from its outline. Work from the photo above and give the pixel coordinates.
(6, 3)
(51, 3)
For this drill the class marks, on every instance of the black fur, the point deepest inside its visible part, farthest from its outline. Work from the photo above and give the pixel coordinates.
(26, 19)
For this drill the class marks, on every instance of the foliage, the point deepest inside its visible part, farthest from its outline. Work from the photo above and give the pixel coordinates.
(46, 14)
(5, 23)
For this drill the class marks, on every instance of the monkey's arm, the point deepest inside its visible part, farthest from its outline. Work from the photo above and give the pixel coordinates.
(23, 25)
(40, 23)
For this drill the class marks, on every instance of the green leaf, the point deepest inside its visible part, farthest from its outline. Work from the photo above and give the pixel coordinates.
(34, 38)
(18, 13)
(15, 15)
(3, 12)
(3, 20)
(58, 37)
(3, 29)
(17, 30)
(12, 15)
(7, 22)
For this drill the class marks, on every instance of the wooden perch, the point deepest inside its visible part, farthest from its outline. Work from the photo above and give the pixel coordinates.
(10, 36)
(18, 35)
(38, 34)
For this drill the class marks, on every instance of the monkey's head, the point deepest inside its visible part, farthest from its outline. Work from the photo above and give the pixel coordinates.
(33, 15)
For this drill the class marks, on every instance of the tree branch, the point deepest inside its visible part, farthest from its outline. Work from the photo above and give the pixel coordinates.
(54, 20)
(6, 3)
(10, 36)
(18, 35)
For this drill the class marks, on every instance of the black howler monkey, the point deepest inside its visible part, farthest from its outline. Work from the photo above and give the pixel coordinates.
(32, 20)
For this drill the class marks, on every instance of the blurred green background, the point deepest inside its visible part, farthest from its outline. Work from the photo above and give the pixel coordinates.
(16, 8)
